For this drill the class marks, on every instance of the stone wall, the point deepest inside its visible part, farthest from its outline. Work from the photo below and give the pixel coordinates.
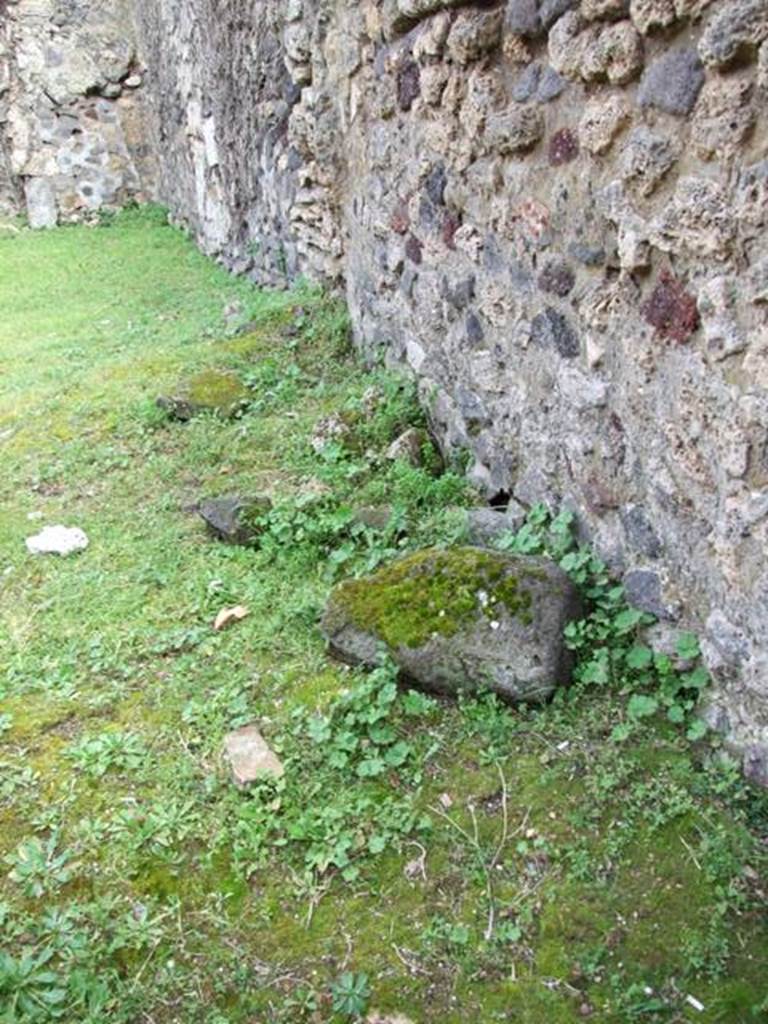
(555, 213)
(253, 155)
(557, 217)
(72, 125)
(10, 198)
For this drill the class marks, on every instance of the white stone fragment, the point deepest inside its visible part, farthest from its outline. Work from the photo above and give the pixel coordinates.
(57, 540)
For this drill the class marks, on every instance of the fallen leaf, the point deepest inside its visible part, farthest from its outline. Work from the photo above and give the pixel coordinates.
(229, 615)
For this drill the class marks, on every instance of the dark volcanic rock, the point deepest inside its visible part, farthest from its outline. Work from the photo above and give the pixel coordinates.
(408, 85)
(550, 329)
(557, 278)
(641, 536)
(232, 518)
(522, 17)
(643, 591)
(460, 619)
(672, 82)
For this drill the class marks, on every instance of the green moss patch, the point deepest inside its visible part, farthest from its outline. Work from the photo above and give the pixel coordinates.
(213, 391)
(434, 592)
(217, 391)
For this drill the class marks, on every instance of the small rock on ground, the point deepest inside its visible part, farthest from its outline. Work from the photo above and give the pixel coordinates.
(375, 517)
(409, 447)
(250, 756)
(486, 525)
(231, 518)
(57, 540)
(213, 391)
(387, 1018)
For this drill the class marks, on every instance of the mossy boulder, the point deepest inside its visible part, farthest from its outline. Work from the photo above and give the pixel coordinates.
(213, 391)
(460, 619)
(233, 518)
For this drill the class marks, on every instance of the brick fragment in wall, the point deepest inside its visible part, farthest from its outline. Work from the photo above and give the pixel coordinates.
(563, 147)
(671, 309)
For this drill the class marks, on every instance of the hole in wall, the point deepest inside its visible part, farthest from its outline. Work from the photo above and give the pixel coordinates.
(500, 500)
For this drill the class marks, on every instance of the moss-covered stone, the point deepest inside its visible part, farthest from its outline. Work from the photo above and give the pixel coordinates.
(460, 617)
(213, 391)
(434, 592)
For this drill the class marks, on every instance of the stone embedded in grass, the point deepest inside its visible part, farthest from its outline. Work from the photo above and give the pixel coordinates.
(374, 1017)
(409, 447)
(250, 757)
(232, 518)
(213, 391)
(461, 618)
(485, 526)
(375, 517)
(57, 540)
(333, 429)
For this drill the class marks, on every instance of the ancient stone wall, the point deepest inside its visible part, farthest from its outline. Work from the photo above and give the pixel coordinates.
(10, 198)
(72, 135)
(557, 217)
(554, 212)
(252, 155)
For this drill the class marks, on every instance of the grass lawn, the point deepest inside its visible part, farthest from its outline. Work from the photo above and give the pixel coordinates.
(445, 862)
